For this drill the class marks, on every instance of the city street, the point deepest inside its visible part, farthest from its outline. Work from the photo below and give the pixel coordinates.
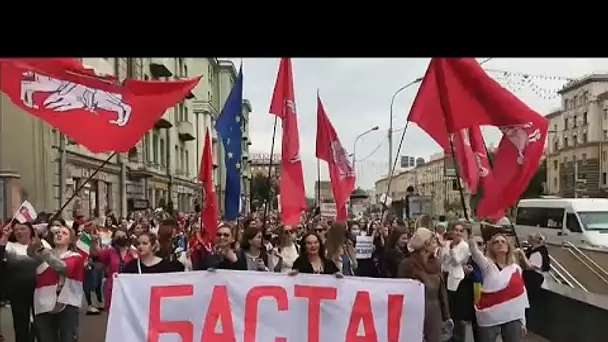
(92, 328)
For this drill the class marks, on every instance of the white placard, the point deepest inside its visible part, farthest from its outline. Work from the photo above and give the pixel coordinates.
(243, 306)
(364, 247)
(328, 210)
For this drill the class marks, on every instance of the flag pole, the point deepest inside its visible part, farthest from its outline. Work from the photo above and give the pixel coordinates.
(318, 183)
(448, 119)
(268, 198)
(95, 172)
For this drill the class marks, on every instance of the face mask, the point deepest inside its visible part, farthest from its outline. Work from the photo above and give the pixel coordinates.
(354, 233)
(120, 241)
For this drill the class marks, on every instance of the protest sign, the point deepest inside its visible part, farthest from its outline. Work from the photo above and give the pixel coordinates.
(328, 210)
(241, 306)
(364, 247)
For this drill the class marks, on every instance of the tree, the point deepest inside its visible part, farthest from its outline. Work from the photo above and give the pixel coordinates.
(261, 191)
(537, 184)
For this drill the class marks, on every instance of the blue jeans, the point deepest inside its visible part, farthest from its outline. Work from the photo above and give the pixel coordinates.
(92, 283)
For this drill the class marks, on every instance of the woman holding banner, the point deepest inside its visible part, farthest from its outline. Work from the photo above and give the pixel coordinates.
(148, 262)
(312, 258)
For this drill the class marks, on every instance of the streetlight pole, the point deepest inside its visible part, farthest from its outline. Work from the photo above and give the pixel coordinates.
(390, 125)
(375, 128)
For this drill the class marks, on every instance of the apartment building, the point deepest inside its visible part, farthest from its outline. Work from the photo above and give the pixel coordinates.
(161, 169)
(324, 191)
(260, 162)
(577, 157)
(433, 178)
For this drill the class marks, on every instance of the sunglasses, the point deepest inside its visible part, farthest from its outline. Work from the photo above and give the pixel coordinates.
(223, 235)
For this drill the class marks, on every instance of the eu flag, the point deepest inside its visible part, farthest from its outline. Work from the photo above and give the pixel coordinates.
(228, 126)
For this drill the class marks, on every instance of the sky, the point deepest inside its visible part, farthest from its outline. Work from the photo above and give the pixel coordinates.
(357, 92)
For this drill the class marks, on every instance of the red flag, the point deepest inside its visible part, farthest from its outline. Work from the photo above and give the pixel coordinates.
(456, 93)
(341, 171)
(92, 110)
(283, 105)
(205, 176)
(465, 158)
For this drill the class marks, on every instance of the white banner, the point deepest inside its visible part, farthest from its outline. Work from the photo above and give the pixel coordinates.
(241, 306)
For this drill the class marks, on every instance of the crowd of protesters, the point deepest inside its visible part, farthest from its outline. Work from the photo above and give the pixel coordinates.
(450, 261)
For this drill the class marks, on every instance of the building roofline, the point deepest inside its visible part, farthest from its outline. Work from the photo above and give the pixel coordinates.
(554, 114)
(577, 83)
(228, 65)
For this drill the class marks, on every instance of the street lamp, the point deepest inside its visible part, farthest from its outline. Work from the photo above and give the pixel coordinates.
(390, 125)
(375, 128)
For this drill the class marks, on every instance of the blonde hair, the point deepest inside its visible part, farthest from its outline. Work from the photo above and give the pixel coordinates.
(510, 256)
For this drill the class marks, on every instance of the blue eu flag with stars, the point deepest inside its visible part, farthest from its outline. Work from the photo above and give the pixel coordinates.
(228, 126)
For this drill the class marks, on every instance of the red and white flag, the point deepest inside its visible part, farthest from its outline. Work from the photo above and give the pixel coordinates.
(455, 94)
(25, 213)
(503, 298)
(91, 109)
(341, 171)
(46, 295)
(283, 105)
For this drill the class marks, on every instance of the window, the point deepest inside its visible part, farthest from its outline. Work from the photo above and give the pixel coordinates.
(574, 120)
(604, 178)
(574, 140)
(555, 146)
(155, 147)
(604, 156)
(555, 165)
(555, 182)
(565, 142)
(565, 123)
(540, 217)
(185, 70)
(147, 148)
(572, 223)
(185, 113)
(555, 128)
(585, 138)
(605, 113)
(584, 157)
(163, 154)
(585, 118)
(187, 170)
(176, 158)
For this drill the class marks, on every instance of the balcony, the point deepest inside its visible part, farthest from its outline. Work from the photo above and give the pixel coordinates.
(199, 106)
(159, 67)
(137, 171)
(185, 131)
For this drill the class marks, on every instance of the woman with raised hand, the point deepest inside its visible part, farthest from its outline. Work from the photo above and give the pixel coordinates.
(59, 292)
(20, 275)
(497, 315)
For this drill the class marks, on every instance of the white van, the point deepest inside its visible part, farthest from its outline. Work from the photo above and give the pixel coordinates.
(578, 220)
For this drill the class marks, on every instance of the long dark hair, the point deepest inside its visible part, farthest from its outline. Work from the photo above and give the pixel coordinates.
(12, 238)
(248, 234)
(303, 242)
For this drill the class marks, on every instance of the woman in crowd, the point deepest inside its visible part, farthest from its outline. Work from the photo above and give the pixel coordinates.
(93, 275)
(339, 251)
(288, 250)
(59, 291)
(170, 244)
(455, 258)
(500, 270)
(114, 259)
(422, 265)
(540, 263)
(224, 255)
(20, 276)
(312, 257)
(395, 252)
(252, 255)
(148, 262)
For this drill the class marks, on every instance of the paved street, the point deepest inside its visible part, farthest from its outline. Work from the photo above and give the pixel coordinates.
(93, 328)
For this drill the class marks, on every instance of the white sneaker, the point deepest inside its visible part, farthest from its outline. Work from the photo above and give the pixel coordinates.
(91, 310)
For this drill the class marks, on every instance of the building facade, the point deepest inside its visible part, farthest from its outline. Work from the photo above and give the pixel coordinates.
(577, 155)
(324, 191)
(161, 170)
(432, 179)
